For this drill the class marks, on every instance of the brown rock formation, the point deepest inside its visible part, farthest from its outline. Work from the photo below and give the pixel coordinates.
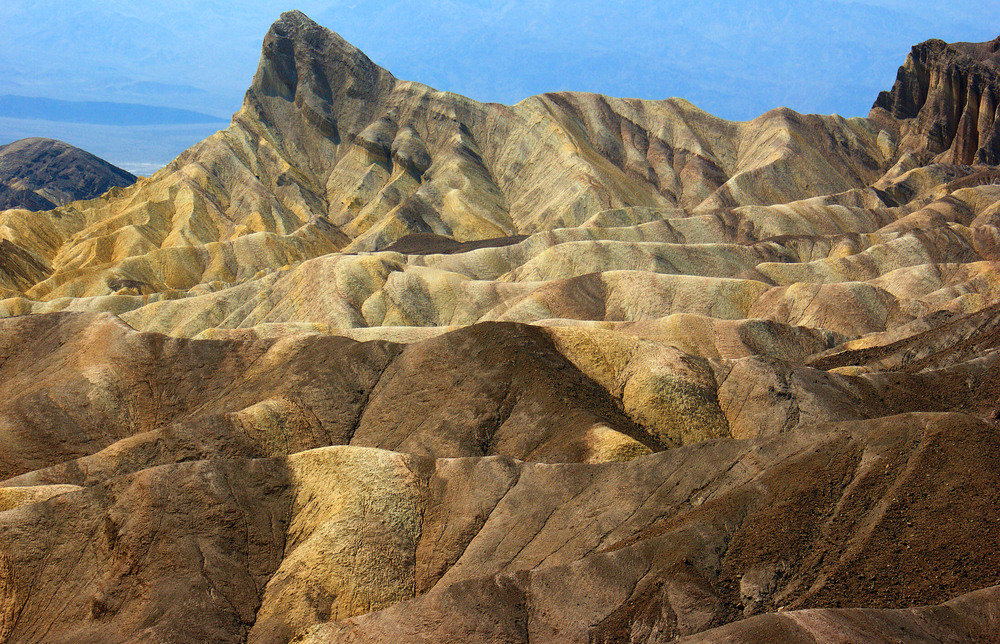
(382, 363)
(969, 618)
(947, 96)
(40, 174)
(92, 395)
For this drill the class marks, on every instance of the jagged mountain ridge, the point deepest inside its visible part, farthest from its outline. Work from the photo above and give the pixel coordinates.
(386, 363)
(329, 152)
(946, 96)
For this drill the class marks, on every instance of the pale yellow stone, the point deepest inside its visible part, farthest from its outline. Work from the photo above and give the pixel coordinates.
(351, 542)
(607, 445)
(15, 497)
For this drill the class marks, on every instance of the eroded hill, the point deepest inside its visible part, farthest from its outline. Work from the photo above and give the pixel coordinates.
(40, 174)
(380, 362)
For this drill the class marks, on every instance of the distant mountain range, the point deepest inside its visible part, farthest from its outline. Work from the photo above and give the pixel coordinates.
(99, 112)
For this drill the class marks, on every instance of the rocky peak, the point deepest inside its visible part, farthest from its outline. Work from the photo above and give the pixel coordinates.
(310, 71)
(945, 97)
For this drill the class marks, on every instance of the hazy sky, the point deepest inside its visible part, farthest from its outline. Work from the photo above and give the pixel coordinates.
(735, 59)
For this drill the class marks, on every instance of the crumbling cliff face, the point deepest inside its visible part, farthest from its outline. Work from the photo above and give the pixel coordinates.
(946, 98)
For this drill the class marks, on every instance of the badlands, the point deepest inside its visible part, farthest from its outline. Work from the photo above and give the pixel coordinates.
(381, 363)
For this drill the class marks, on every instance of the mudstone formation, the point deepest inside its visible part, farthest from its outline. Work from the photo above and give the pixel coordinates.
(382, 363)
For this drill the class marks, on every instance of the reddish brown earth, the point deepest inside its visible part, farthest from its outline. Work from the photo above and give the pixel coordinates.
(379, 363)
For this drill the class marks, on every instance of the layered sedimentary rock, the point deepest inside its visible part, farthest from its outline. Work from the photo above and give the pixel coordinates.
(947, 98)
(969, 618)
(330, 152)
(379, 362)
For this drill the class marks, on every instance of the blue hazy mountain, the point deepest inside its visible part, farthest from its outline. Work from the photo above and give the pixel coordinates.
(99, 112)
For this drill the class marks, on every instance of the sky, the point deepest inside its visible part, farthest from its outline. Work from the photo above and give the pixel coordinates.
(734, 59)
